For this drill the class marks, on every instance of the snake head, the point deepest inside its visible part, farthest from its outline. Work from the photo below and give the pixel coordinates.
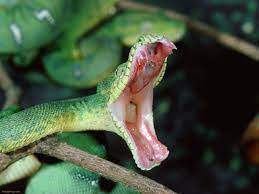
(131, 99)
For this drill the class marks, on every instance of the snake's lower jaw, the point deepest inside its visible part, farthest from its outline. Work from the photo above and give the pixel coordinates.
(134, 115)
(133, 108)
(147, 150)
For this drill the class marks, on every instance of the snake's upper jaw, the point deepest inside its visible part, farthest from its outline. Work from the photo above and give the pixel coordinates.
(132, 110)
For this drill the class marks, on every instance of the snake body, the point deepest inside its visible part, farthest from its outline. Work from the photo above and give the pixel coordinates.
(20, 169)
(23, 21)
(25, 127)
(100, 111)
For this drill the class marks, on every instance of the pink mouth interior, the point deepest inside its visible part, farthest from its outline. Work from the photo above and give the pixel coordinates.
(134, 106)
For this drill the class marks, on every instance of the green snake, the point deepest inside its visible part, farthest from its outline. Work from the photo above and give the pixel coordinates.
(122, 104)
(23, 21)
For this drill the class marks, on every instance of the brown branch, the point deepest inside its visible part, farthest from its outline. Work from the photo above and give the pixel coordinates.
(12, 92)
(6, 160)
(52, 147)
(225, 39)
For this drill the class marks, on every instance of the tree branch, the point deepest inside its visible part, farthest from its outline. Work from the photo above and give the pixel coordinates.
(12, 92)
(52, 147)
(225, 39)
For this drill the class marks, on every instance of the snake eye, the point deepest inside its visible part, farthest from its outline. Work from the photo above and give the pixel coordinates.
(140, 38)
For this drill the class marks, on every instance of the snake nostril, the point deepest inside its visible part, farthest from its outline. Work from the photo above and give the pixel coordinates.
(141, 38)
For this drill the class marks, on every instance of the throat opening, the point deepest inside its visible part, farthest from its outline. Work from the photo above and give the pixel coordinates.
(133, 108)
(131, 112)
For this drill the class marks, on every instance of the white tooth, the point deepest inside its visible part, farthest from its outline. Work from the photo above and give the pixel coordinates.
(131, 113)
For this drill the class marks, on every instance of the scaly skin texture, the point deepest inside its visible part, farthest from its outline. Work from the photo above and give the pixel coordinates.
(30, 165)
(23, 21)
(89, 63)
(25, 127)
(87, 113)
(20, 169)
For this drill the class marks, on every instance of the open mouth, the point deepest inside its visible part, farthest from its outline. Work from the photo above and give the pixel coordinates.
(133, 108)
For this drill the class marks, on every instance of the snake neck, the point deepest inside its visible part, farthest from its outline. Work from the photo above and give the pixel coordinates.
(88, 113)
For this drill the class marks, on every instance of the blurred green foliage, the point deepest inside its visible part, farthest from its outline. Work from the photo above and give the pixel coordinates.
(237, 17)
(130, 24)
(77, 45)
